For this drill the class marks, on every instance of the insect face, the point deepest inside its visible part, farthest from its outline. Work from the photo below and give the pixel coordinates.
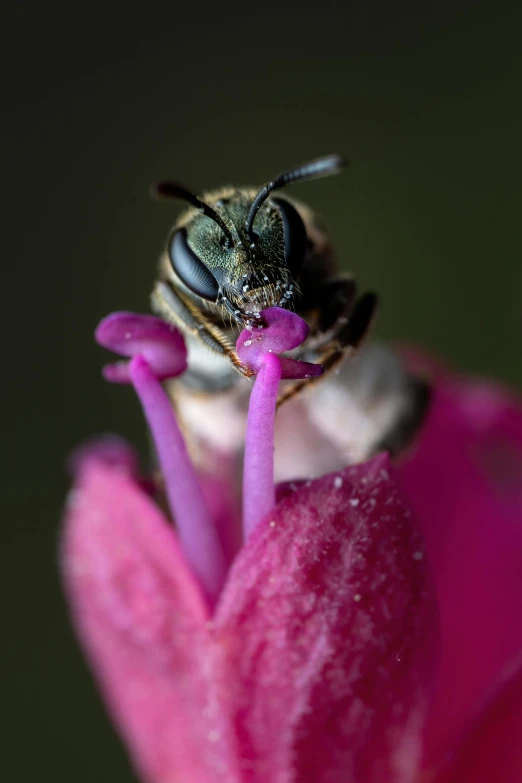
(241, 249)
(238, 251)
(244, 272)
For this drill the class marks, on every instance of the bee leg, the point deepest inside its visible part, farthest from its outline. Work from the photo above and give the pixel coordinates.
(174, 307)
(356, 328)
(347, 339)
(335, 301)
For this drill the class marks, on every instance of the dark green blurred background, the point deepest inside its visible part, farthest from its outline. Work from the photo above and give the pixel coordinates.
(425, 100)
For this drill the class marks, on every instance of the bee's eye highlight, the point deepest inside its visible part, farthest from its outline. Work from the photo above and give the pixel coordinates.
(294, 233)
(190, 269)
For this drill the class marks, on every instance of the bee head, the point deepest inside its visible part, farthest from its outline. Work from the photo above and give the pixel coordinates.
(242, 252)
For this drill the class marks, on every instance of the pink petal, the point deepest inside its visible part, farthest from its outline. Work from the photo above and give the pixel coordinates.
(324, 617)
(111, 450)
(142, 621)
(492, 750)
(464, 481)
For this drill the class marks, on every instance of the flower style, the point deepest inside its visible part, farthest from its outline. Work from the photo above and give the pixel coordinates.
(349, 640)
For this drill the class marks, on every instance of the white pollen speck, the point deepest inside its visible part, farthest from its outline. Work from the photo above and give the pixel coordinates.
(338, 482)
(354, 502)
(272, 523)
(357, 597)
(418, 555)
(247, 343)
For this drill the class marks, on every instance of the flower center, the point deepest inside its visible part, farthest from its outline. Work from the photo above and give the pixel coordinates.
(157, 352)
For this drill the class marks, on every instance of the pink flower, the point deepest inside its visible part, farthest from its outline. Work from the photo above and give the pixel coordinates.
(464, 483)
(324, 650)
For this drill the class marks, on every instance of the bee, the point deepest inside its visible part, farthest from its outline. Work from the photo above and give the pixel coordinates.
(237, 251)
(233, 253)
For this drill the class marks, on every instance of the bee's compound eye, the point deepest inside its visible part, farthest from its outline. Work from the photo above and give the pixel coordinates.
(294, 233)
(190, 269)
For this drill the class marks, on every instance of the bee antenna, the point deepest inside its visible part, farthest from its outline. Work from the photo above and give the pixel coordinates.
(170, 190)
(321, 167)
